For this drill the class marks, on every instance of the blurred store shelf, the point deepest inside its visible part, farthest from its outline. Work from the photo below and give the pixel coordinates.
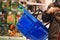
(31, 3)
(12, 38)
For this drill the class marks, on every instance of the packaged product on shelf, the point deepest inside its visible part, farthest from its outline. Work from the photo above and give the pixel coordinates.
(6, 5)
(11, 30)
(20, 8)
(9, 5)
(18, 34)
(4, 31)
(18, 16)
(14, 6)
(2, 18)
(10, 18)
(14, 13)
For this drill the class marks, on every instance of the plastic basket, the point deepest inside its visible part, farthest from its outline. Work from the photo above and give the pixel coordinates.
(31, 27)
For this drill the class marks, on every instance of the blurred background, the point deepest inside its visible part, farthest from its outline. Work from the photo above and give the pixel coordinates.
(10, 14)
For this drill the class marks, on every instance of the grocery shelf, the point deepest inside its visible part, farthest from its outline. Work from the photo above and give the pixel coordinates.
(12, 38)
(32, 3)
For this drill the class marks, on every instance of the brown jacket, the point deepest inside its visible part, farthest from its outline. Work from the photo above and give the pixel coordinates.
(54, 29)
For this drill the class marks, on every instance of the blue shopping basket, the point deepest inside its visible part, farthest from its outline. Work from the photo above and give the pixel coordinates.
(31, 27)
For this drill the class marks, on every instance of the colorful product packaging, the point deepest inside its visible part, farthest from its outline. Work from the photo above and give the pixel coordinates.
(18, 16)
(14, 6)
(10, 18)
(4, 31)
(2, 18)
(6, 5)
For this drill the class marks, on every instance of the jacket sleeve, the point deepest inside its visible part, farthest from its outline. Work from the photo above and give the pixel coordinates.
(54, 30)
(57, 16)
